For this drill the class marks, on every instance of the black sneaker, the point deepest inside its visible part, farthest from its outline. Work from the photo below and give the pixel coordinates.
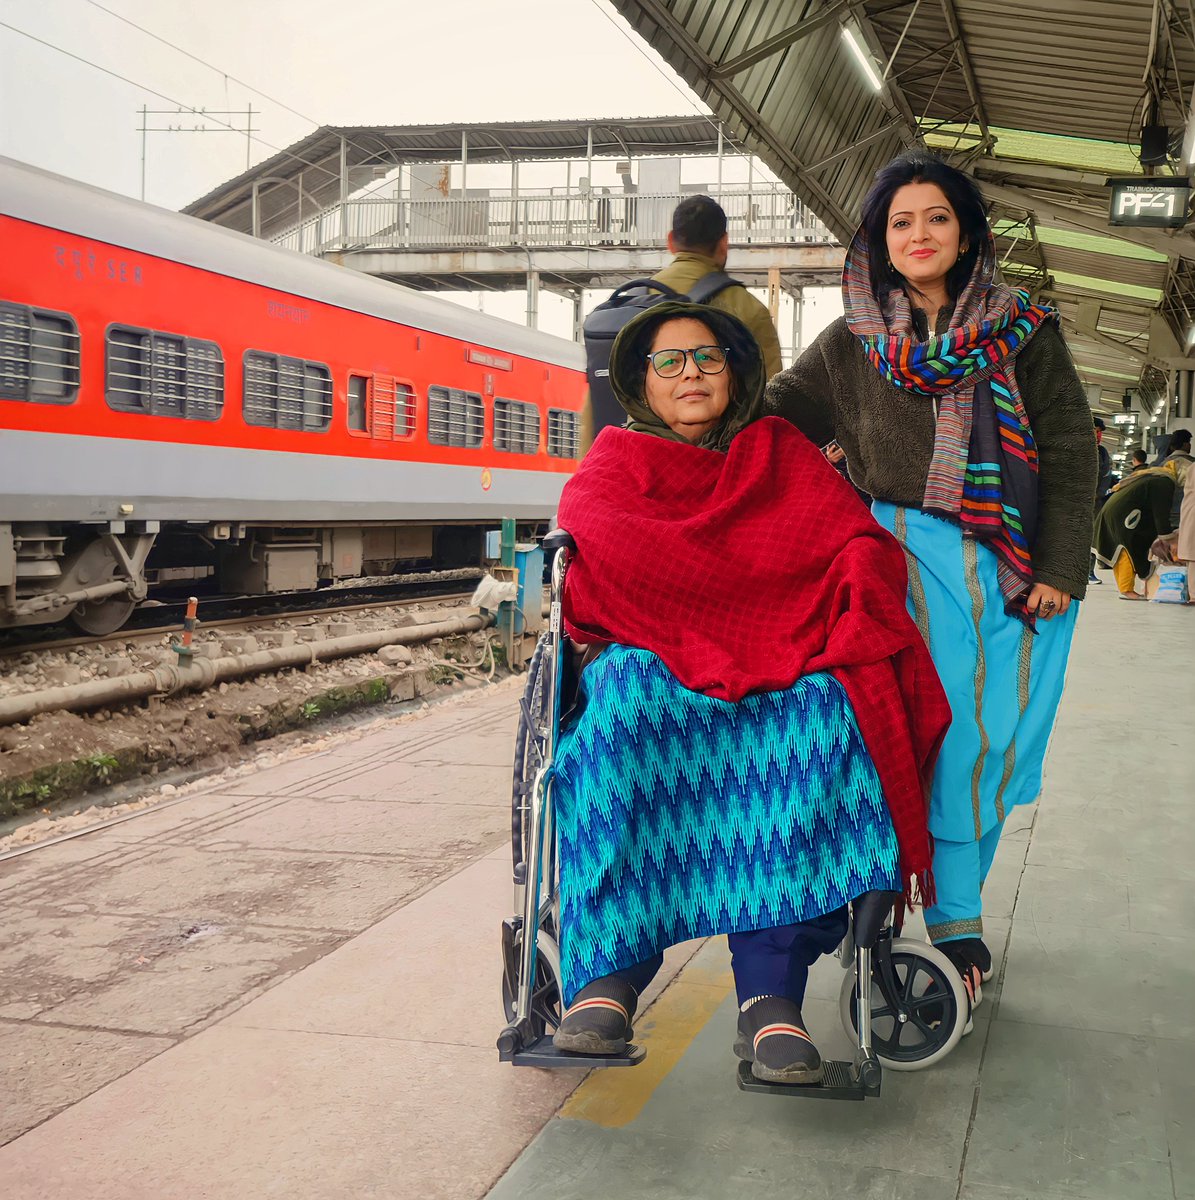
(974, 962)
(772, 1037)
(599, 1019)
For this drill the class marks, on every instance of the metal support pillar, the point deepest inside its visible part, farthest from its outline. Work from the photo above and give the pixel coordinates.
(578, 315)
(532, 298)
(344, 192)
(515, 233)
(589, 185)
(464, 163)
(798, 295)
(719, 160)
(1184, 390)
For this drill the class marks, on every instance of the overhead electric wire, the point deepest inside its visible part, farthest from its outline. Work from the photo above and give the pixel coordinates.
(162, 96)
(665, 75)
(203, 62)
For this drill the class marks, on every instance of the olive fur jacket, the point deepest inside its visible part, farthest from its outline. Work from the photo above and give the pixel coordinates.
(833, 393)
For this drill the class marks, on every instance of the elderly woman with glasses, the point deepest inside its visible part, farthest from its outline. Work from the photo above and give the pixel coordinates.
(757, 717)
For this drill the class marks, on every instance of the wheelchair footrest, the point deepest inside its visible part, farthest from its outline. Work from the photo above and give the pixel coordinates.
(544, 1054)
(839, 1082)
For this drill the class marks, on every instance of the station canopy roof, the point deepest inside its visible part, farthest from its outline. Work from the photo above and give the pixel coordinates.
(313, 166)
(1042, 103)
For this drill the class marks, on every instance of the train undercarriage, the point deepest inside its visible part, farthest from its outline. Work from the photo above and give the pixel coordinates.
(95, 575)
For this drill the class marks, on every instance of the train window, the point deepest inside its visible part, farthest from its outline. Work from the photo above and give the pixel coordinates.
(563, 431)
(39, 355)
(286, 393)
(358, 385)
(163, 374)
(516, 427)
(454, 417)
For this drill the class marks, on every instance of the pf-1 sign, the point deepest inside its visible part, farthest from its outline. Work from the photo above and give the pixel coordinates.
(1158, 202)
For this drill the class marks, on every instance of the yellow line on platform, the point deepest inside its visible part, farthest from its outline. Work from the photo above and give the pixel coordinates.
(614, 1097)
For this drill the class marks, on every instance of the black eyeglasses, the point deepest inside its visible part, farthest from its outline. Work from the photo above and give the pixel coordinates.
(709, 360)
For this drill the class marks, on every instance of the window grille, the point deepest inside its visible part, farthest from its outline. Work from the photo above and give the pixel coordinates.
(454, 417)
(563, 433)
(163, 374)
(39, 355)
(392, 409)
(516, 427)
(286, 393)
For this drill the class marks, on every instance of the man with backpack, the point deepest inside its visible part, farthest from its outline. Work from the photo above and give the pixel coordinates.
(699, 244)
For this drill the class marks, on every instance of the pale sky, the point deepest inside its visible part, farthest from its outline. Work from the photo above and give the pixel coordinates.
(351, 62)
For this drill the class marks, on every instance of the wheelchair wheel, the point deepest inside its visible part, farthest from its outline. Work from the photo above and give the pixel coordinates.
(530, 745)
(932, 990)
(545, 997)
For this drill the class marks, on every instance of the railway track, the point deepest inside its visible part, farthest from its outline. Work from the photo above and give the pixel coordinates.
(153, 621)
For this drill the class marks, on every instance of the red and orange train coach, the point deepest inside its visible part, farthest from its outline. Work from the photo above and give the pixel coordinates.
(180, 402)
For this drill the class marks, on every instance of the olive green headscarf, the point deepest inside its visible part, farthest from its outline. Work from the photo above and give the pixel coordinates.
(628, 371)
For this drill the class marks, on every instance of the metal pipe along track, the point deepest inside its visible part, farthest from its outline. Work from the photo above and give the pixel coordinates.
(205, 673)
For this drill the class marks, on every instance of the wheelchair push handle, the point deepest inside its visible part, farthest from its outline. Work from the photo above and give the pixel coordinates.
(558, 539)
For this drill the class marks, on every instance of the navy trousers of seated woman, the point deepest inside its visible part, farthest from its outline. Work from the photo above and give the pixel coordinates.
(766, 962)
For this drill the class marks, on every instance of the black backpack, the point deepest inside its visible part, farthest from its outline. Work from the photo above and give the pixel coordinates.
(603, 324)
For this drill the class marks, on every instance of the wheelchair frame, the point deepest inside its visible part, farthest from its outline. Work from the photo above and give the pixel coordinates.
(869, 942)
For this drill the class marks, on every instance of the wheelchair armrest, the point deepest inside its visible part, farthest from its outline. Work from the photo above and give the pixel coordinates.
(558, 539)
(871, 911)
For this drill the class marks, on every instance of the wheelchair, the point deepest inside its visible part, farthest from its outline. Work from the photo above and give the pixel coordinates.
(902, 1003)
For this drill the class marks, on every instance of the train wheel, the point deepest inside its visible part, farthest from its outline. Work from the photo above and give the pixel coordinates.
(100, 617)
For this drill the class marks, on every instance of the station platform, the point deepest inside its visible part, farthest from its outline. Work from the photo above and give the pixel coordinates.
(287, 985)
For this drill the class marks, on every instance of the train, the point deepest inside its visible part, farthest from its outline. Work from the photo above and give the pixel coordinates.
(183, 405)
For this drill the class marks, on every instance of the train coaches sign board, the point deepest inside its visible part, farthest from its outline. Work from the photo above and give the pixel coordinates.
(486, 358)
(1159, 202)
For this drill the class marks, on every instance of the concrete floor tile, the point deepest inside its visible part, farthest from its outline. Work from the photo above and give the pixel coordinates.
(980, 1191)
(700, 1097)
(1123, 847)
(187, 817)
(234, 1114)
(1004, 880)
(1018, 825)
(1072, 1112)
(168, 981)
(45, 1069)
(1176, 1075)
(430, 972)
(47, 957)
(1066, 896)
(572, 1160)
(1092, 978)
(30, 870)
(286, 779)
(365, 827)
(419, 783)
(1158, 904)
(287, 888)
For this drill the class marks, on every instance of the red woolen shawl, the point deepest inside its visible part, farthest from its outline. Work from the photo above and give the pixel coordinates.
(747, 570)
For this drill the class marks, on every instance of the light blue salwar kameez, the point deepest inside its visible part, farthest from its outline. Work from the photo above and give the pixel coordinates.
(1004, 683)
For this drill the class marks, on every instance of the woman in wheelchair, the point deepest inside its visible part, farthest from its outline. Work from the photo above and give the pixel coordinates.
(757, 717)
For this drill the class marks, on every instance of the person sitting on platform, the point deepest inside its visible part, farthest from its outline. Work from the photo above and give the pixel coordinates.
(756, 731)
(1139, 509)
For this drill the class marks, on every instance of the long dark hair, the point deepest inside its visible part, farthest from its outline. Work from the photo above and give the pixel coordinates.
(920, 166)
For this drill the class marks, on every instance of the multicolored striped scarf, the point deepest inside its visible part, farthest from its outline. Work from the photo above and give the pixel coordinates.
(984, 469)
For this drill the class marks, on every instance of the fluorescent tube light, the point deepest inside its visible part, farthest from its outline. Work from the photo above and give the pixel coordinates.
(857, 49)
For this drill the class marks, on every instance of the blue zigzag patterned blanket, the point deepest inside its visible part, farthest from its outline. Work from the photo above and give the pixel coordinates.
(682, 816)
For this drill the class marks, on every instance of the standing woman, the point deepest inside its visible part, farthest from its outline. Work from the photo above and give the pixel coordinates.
(960, 411)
